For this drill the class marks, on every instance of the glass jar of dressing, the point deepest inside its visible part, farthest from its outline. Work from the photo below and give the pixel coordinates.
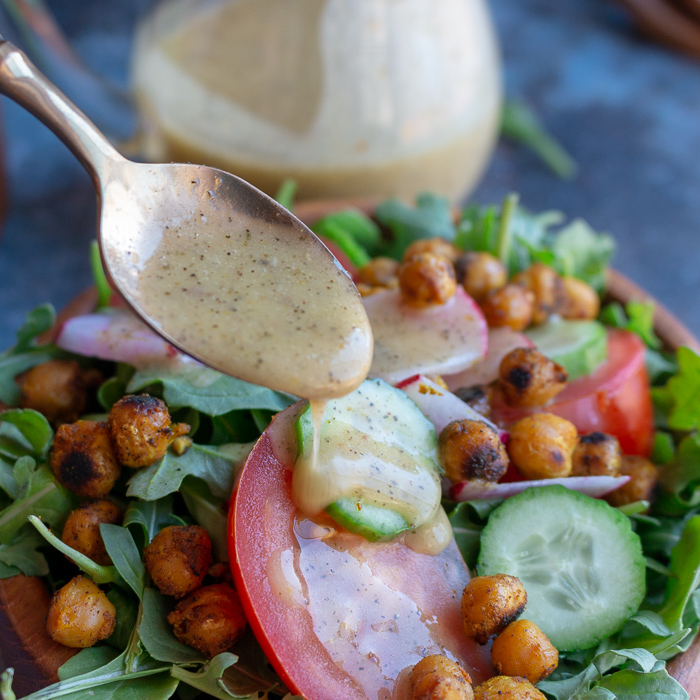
(351, 98)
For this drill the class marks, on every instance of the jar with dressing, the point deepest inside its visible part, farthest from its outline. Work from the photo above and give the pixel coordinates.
(351, 98)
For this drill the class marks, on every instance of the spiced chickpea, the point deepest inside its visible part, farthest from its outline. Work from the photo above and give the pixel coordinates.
(548, 289)
(510, 306)
(379, 272)
(433, 246)
(80, 614)
(471, 449)
(596, 454)
(643, 477)
(477, 397)
(178, 558)
(57, 388)
(490, 604)
(82, 528)
(480, 273)
(541, 445)
(581, 301)
(211, 619)
(436, 677)
(142, 430)
(507, 688)
(529, 379)
(427, 280)
(523, 649)
(83, 459)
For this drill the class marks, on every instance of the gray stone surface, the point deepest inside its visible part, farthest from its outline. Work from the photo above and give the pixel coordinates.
(628, 110)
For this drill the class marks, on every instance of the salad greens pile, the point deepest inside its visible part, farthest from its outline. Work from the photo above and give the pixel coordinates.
(143, 658)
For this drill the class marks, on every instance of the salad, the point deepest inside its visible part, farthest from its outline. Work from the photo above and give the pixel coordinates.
(554, 437)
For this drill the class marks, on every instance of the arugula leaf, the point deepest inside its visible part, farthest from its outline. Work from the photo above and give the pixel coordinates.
(127, 608)
(125, 556)
(98, 573)
(87, 661)
(682, 392)
(38, 321)
(165, 476)
(209, 513)
(353, 232)
(208, 391)
(682, 475)
(33, 431)
(104, 291)
(430, 218)
(7, 479)
(152, 516)
(634, 685)
(287, 191)
(22, 555)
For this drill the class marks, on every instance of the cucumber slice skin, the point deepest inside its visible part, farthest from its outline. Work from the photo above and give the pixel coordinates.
(579, 346)
(373, 523)
(578, 558)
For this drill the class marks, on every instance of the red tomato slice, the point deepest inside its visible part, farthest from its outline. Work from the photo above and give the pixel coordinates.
(337, 616)
(615, 399)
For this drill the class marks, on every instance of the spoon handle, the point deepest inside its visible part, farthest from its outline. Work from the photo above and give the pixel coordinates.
(23, 83)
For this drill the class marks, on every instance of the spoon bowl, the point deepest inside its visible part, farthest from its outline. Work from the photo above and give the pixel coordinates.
(212, 264)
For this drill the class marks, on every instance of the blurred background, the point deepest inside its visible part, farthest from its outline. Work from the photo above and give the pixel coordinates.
(624, 107)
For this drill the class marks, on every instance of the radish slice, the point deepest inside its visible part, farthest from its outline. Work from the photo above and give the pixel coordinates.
(501, 341)
(439, 339)
(440, 406)
(593, 486)
(118, 336)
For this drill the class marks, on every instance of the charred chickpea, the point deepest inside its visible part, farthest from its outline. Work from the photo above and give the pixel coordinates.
(480, 273)
(433, 246)
(528, 378)
(581, 301)
(83, 459)
(427, 280)
(507, 688)
(379, 272)
(471, 449)
(541, 445)
(596, 454)
(490, 604)
(547, 286)
(523, 649)
(510, 306)
(643, 477)
(178, 558)
(57, 388)
(210, 619)
(478, 397)
(142, 430)
(438, 678)
(80, 614)
(82, 528)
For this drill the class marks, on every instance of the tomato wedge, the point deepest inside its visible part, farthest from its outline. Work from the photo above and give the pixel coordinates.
(615, 399)
(337, 616)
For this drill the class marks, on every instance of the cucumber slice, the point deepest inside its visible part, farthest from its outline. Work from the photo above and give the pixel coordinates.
(379, 450)
(578, 558)
(579, 346)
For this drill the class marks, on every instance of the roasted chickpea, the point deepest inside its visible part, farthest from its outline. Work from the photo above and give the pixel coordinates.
(641, 485)
(142, 430)
(548, 288)
(210, 619)
(490, 604)
(596, 454)
(478, 397)
(433, 246)
(510, 306)
(523, 649)
(438, 678)
(541, 446)
(380, 272)
(427, 280)
(83, 459)
(581, 301)
(82, 528)
(529, 379)
(507, 688)
(178, 558)
(471, 449)
(80, 614)
(480, 273)
(57, 388)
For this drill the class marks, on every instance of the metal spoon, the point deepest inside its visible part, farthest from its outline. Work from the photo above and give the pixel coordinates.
(215, 266)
